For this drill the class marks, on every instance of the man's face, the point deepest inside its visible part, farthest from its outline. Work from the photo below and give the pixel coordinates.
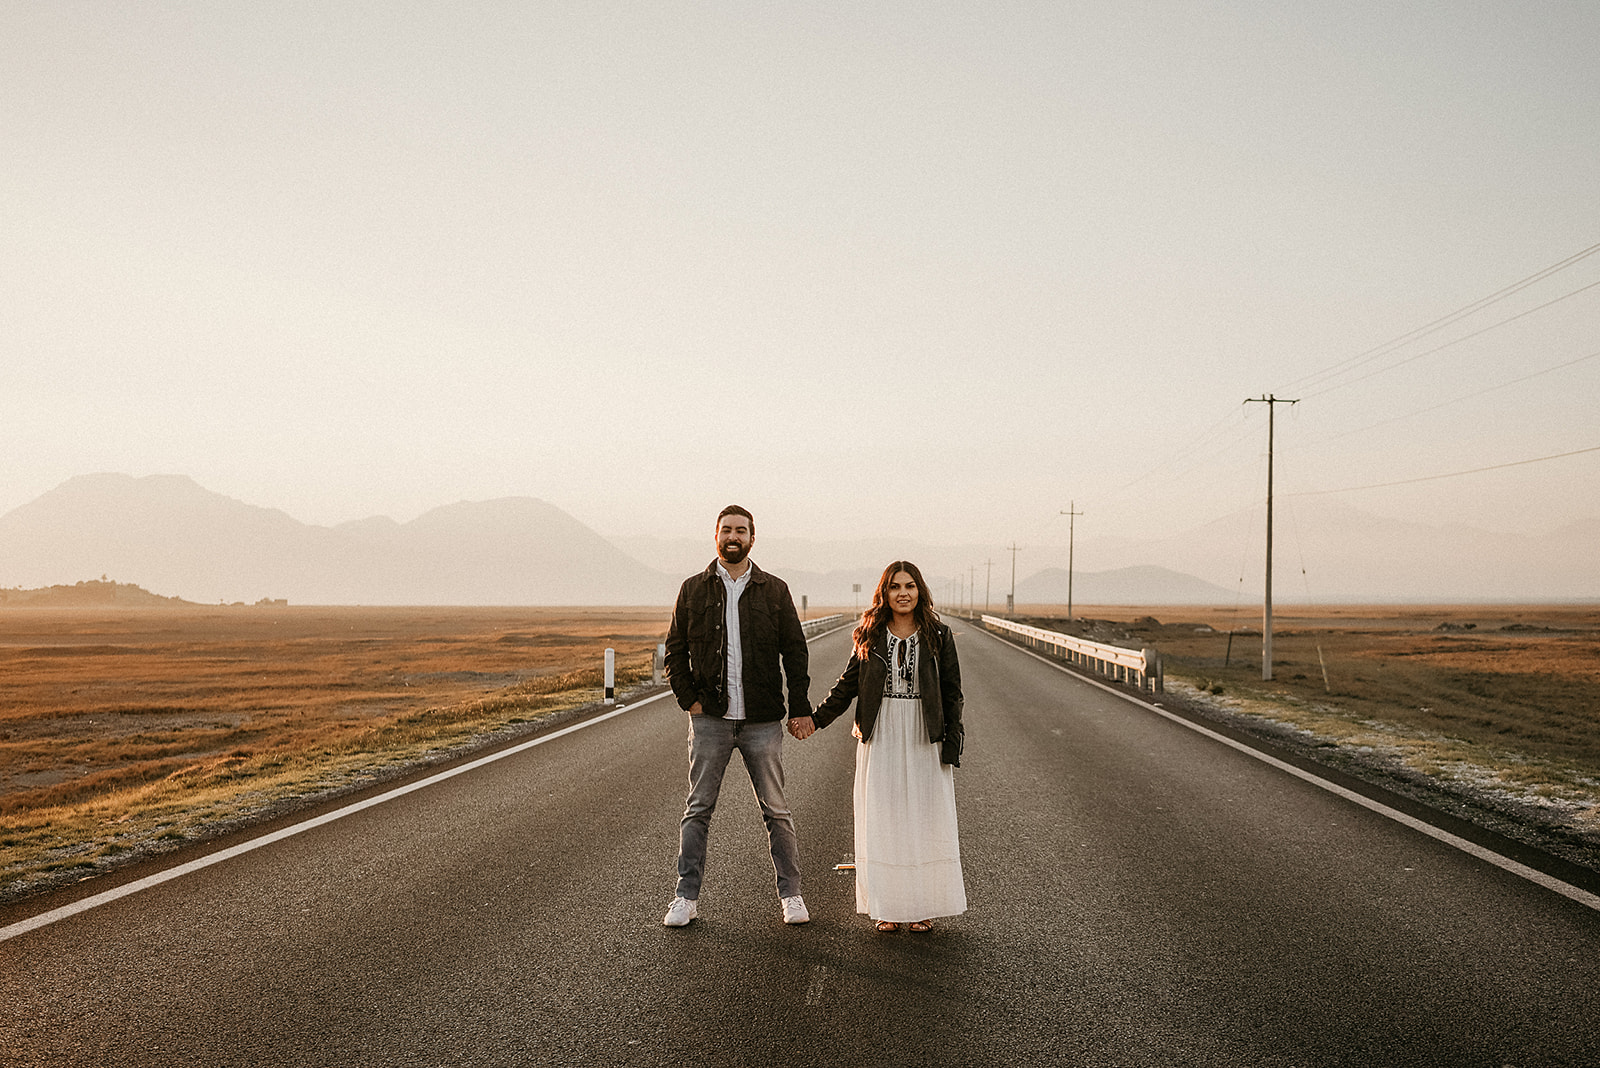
(734, 538)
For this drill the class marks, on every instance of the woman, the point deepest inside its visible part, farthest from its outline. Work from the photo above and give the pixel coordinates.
(906, 683)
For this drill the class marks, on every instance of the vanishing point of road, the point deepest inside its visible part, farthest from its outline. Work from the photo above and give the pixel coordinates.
(1141, 894)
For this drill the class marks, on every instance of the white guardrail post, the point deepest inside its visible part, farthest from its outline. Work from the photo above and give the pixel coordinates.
(1141, 667)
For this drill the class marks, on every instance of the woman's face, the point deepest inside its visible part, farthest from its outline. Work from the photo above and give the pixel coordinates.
(903, 593)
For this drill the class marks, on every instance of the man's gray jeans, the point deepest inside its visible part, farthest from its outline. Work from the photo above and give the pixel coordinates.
(712, 741)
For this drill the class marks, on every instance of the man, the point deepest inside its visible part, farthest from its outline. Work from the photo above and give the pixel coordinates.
(730, 626)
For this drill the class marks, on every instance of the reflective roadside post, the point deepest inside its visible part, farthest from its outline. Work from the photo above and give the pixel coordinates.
(611, 676)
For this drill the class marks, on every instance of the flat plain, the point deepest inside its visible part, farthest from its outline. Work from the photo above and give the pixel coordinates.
(128, 730)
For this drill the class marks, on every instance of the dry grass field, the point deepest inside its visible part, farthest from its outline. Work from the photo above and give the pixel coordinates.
(1503, 698)
(123, 730)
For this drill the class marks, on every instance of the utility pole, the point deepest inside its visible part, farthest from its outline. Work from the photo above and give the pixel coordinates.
(1266, 614)
(972, 590)
(1071, 518)
(1011, 598)
(988, 573)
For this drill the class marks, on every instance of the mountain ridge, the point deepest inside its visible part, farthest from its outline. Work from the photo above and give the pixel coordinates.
(167, 532)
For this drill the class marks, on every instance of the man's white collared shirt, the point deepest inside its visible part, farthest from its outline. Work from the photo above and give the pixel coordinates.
(735, 659)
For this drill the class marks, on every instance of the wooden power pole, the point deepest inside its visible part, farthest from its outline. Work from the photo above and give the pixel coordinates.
(1011, 598)
(1266, 615)
(1071, 518)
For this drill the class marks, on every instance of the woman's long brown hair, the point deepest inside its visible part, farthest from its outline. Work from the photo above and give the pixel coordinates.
(876, 618)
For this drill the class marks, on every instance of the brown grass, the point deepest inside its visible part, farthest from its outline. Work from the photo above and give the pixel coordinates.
(119, 729)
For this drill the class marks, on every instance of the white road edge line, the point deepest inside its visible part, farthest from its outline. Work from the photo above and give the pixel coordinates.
(1533, 875)
(44, 919)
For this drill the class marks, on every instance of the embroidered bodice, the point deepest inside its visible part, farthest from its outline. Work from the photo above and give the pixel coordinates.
(902, 678)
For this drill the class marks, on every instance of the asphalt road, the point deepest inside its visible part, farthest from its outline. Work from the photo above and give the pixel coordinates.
(1140, 895)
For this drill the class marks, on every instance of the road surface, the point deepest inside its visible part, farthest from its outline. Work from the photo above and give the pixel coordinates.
(1140, 895)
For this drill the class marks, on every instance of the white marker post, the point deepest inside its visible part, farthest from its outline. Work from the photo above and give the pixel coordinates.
(658, 663)
(611, 676)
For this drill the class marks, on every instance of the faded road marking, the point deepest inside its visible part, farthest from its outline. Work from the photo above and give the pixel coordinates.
(819, 975)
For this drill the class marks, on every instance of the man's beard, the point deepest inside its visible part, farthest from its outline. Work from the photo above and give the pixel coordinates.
(734, 552)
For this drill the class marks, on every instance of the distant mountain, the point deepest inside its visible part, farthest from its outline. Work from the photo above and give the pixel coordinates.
(1127, 585)
(90, 594)
(804, 565)
(169, 533)
(1323, 552)
(1328, 552)
(786, 555)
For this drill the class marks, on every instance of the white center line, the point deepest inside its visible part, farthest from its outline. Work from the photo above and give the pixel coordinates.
(819, 975)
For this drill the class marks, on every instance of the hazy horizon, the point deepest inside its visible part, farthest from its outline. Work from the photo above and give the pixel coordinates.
(932, 273)
(176, 537)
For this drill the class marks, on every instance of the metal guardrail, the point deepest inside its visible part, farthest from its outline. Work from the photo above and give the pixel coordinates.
(1142, 667)
(812, 626)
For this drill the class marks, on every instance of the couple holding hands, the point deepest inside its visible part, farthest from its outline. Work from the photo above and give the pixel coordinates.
(731, 627)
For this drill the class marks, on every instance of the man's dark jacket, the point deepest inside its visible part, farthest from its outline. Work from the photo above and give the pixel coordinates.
(769, 629)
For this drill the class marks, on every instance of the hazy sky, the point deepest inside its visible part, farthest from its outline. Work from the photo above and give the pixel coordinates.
(925, 270)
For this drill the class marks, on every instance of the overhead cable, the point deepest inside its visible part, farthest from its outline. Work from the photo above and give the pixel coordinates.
(1361, 358)
(1447, 403)
(1456, 341)
(1452, 474)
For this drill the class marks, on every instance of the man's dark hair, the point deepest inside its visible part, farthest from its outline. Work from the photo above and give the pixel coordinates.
(734, 509)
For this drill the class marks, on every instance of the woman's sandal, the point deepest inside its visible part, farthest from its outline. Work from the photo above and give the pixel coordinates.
(920, 926)
(887, 925)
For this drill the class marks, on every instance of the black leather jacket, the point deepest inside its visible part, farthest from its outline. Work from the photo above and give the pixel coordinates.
(938, 679)
(769, 630)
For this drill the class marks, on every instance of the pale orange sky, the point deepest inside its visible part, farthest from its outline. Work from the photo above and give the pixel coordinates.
(929, 271)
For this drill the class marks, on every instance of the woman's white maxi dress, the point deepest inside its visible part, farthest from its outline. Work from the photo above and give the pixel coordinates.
(908, 856)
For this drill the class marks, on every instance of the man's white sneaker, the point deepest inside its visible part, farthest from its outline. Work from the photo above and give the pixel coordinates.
(794, 910)
(680, 912)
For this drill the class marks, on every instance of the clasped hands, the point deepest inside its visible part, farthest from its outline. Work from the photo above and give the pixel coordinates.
(802, 727)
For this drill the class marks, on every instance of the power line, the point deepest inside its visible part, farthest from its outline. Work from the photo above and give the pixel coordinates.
(1453, 400)
(1204, 446)
(1223, 434)
(1360, 358)
(1452, 474)
(1457, 341)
